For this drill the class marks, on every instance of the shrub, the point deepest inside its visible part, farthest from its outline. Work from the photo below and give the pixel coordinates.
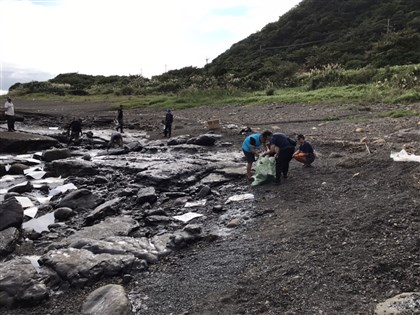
(269, 92)
(127, 90)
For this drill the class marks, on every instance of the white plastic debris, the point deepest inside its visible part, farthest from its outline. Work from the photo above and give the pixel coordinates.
(61, 189)
(31, 212)
(36, 174)
(403, 156)
(34, 262)
(187, 216)
(196, 203)
(48, 181)
(25, 202)
(240, 198)
(43, 200)
(9, 178)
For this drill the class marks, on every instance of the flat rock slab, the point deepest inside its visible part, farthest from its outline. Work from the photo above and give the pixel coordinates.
(22, 142)
(404, 303)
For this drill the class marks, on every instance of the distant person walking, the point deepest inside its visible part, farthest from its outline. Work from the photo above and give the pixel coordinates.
(169, 119)
(10, 114)
(251, 147)
(74, 130)
(305, 154)
(282, 147)
(120, 119)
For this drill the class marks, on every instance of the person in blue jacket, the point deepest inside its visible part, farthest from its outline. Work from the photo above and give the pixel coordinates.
(252, 146)
(282, 147)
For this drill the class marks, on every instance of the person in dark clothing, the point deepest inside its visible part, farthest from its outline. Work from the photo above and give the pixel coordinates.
(120, 119)
(305, 154)
(116, 138)
(169, 119)
(74, 130)
(282, 147)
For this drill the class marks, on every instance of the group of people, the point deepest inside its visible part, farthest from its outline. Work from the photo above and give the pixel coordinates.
(281, 147)
(74, 129)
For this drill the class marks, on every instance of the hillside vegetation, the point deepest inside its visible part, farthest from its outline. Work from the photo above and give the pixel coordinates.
(320, 45)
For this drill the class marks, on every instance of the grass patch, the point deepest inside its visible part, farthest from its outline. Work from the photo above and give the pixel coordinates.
(357, 95)
(400, 113)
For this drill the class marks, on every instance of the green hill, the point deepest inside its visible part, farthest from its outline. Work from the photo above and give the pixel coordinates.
(319, 43)
(351, 33)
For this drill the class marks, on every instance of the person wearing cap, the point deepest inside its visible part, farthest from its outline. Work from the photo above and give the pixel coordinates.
(169, 119)
(282, 147)
(10, 114)
(120, 119)
(74, 130)
(305, 154)
(252, 146)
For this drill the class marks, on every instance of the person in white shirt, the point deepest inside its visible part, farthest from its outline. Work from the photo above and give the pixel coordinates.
(10, 114)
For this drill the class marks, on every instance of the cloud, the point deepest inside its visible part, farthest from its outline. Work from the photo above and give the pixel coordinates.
(126, 36)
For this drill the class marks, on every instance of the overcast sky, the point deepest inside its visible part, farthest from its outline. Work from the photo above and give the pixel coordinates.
(40, 39)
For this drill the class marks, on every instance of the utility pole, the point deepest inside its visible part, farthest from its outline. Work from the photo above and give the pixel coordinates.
(207, 68)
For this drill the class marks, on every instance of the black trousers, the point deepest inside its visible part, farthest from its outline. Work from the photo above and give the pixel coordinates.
(120, 125)
(168, 130)
(282, 162)
(10, 122)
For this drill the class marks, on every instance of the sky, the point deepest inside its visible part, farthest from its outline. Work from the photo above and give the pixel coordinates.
(40, 39)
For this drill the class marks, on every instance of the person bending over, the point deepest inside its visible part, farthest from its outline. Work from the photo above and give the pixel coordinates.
(116, 138)
(74, 130)
(282, 148)
(252, 146)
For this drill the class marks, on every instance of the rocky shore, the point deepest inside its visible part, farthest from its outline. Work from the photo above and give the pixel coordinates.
(169, 226)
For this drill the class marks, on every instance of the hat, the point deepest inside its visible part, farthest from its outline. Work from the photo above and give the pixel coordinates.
(168, 110)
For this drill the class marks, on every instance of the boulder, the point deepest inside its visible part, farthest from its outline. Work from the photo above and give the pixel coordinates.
(147, 194)
(11, 214)
(204, 140)
(22, 284)
(22, 142)
(17, 169)
(63, 213)
(103, 210)
(110, 299)
(55, 154)
(80, 266)
(21, 188)
(141, 248)
(70, 167)
(8, 239)
(80, 198)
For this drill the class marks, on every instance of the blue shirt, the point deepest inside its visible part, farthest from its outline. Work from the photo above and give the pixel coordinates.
(281, 140)
(254, 140)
